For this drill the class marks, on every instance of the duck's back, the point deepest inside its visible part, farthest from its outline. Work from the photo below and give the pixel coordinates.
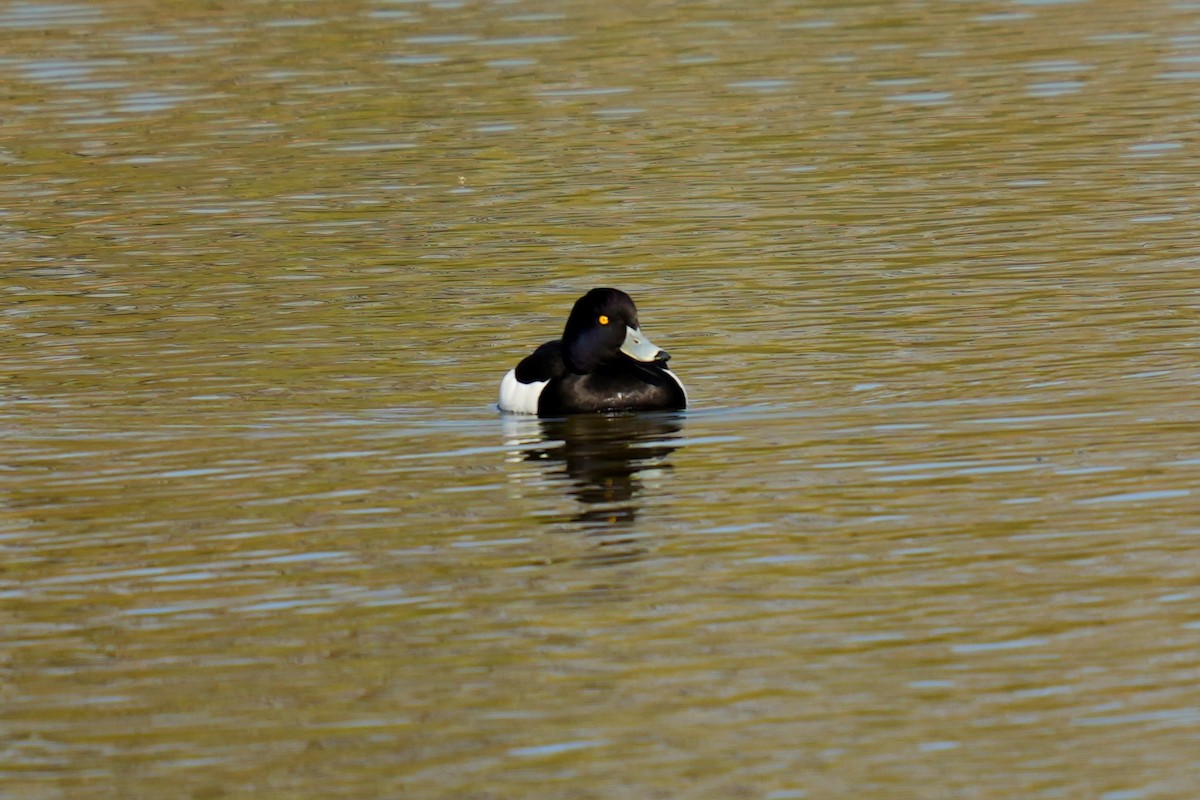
(541, 384)
(625, 385)
(522, 387)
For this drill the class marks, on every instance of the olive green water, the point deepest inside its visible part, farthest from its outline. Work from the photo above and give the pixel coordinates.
(929, 271)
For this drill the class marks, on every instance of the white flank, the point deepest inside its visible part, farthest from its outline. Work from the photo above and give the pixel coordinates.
(520, 398)
(682, 388)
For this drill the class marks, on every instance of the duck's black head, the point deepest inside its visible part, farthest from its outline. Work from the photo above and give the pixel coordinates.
(603, 327)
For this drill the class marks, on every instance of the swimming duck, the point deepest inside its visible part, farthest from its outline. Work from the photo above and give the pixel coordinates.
(603, 362)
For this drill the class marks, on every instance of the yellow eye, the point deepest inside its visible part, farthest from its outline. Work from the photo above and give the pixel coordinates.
(603, 320)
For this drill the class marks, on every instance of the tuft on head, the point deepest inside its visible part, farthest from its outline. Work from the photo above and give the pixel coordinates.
(596, 328)
(611, 300)
(612, 304)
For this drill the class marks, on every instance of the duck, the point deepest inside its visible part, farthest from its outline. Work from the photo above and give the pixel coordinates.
(602, 364)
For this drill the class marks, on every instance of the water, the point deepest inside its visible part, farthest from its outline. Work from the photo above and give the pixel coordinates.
(927, 530)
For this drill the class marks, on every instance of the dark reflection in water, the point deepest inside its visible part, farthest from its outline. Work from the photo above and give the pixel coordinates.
(605, 462)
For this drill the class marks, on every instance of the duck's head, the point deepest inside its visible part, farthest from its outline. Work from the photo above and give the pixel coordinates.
(602, 327)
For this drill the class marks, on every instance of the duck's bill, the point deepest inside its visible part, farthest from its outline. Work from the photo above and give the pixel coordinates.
(639, 348)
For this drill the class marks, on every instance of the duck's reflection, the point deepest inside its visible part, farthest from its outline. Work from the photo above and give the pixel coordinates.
(605, 462)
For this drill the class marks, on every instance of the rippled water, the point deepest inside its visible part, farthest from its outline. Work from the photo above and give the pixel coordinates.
(928, 530)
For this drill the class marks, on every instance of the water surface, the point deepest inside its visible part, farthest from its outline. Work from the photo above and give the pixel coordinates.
(927, 530)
